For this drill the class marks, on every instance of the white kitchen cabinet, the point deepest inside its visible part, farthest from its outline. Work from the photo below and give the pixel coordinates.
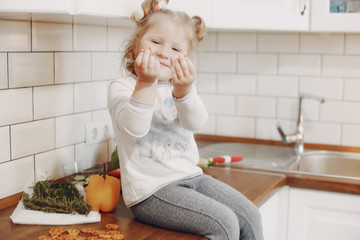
(37, 6)
(107, 8)
(269, 15)
(274, 215)
(323, 20)
(202, 8)
(315, 215)
(292, 15)
(227, 14)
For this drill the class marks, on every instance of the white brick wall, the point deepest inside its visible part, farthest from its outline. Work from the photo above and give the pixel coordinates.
(30, 69)
(54, 78)
(341, 66)
(300, 64)
(352, 45)
(72, 67)
(278, 42)
(5, 144)
(261, 63)
(3, 71)
(15, 106)
(32, 137)
(272, 69)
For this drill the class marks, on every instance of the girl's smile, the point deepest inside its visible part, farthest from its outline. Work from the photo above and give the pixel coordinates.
(163, 64)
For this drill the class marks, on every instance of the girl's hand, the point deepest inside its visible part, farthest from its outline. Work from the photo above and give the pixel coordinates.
(183, 76)
(146, 66)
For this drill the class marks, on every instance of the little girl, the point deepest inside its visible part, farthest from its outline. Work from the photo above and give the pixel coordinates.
(155, 111)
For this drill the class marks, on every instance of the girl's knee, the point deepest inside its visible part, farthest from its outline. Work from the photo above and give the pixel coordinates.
(256, 217)
(252, 227)
(226, 227)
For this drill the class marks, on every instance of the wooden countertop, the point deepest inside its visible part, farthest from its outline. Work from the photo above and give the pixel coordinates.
(257, 186)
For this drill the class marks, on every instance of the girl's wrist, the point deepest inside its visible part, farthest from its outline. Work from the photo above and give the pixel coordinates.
(180, 93)
(145, 92)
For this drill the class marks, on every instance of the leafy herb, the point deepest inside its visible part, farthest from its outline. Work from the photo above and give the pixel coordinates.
(53, 197)
(115, 160)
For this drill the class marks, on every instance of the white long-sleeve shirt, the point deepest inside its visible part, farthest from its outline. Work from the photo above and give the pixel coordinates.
(155, 142)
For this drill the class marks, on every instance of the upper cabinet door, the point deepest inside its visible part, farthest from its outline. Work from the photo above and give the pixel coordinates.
(202, 8)
(335, 16)
(37, 6)
(107, 8)
(292, 15)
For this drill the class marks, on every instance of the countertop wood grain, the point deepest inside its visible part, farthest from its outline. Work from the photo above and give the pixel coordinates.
(257, 186)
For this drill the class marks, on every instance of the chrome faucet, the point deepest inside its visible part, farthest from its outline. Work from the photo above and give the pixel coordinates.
(298, 137)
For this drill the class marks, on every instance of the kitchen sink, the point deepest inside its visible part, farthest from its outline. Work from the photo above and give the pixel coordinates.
(280, 158)
(329, 163)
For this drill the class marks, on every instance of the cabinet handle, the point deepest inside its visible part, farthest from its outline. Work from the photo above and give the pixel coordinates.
(304, 8)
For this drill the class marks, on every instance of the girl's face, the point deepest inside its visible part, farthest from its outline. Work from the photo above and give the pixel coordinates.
(167, 41)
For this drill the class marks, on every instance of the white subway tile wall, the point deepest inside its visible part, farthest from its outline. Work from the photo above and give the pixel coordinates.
(16, 106)
(299, 64)
(90, 96)
(341, 66)
(236, 42)
(54, 79)
(48, 163)
(259, 63)
(278, 42)
(70, 129)
(326, 87)
(90, 38)
(322, 43)
(217, 62)
(236, 126)
(3, 71)
(352, 45)
(52, 101)
(271, 70)
(30, 69)
(322, 132)
(52, 36)
(15, 36)
(255, 106)
(16, 176)
(5, 144)
(105, 65)
(236, 84)
(32, 137)
(352, 89)
(350, 135)
(281, 86)
(71, 67)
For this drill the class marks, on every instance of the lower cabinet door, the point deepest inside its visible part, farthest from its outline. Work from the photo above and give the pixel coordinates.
(317, 215)
(274, 215)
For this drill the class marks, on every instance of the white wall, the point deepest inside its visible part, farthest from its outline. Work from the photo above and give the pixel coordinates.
(54, 78)
(251, 80)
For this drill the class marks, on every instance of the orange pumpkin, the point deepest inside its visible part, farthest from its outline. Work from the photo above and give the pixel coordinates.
(103, 192)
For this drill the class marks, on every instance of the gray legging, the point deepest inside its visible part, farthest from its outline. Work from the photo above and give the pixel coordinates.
(204, 206)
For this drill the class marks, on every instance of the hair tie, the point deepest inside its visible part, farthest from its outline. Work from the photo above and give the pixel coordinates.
(157, 7)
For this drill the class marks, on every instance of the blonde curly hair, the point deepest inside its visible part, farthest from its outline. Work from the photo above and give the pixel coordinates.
(152, 13)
